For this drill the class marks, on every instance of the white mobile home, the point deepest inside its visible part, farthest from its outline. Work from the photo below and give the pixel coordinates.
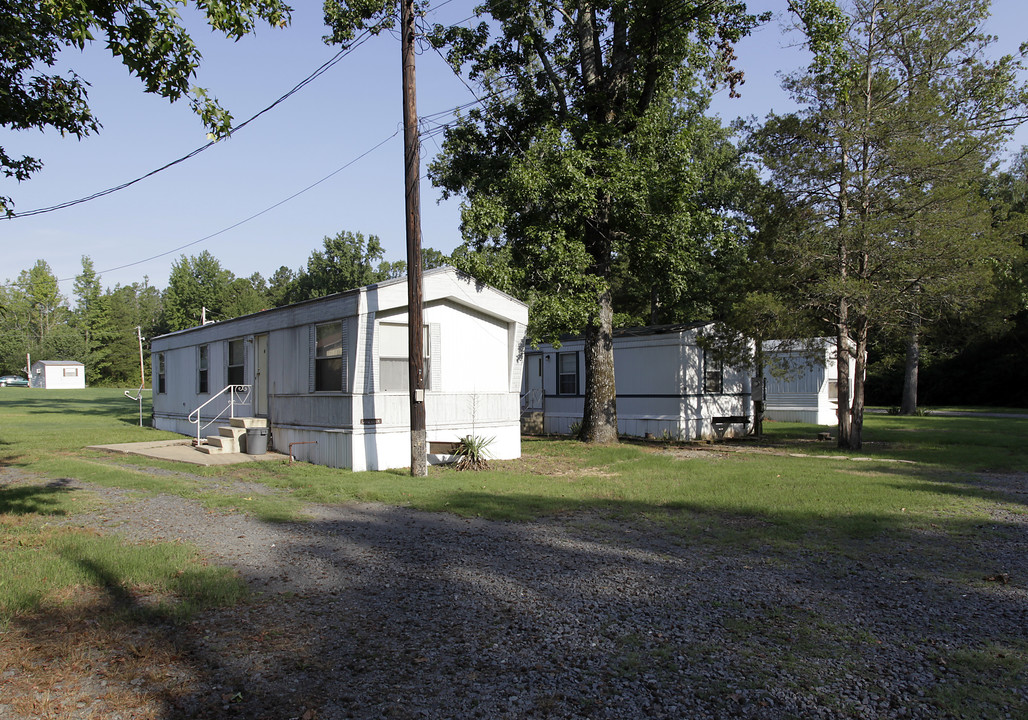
(805, 387)
(330, 375)
(58, 375)
(667, 385)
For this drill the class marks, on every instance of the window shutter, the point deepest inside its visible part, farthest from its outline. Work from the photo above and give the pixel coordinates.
(346, 356)
(435, 339)
(312, 353)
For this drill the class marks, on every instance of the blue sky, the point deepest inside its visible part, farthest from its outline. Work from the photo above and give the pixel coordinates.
(327, 125)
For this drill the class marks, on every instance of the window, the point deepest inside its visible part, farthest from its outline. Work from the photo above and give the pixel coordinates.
(713, 375)
(328, 357)
(201, 365)
(161, 385)
(833, 390)
(235, 362)
(393, 364)
(567, 373)
(71, 372)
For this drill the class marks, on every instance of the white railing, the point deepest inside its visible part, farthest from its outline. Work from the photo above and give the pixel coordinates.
(243, 391)
(533, 400)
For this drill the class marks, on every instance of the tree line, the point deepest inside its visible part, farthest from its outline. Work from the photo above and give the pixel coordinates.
(596, 186)
(97, 326)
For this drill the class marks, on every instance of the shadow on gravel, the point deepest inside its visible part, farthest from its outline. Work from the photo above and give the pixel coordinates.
(374, 611)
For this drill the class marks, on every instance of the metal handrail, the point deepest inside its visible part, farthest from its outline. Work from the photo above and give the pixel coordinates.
(539, 392)
(231, 407)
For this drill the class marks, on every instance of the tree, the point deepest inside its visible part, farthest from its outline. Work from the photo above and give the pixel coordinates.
(347, 261)
(587, 109)
(278, 286)
(93, 319)
(131, 306)
(146, 36)
(196, 284)
(902, 113)
(41, 301)
(245, 296)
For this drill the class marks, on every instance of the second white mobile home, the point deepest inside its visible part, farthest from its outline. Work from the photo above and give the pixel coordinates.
(667, 386)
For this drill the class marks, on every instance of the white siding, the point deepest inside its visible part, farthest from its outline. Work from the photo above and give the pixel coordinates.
(475, 336)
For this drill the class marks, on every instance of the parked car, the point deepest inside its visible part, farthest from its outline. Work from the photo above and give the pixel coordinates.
(13, 381)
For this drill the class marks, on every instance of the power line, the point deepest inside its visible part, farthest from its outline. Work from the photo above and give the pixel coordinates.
(325, 67)
(251, 217)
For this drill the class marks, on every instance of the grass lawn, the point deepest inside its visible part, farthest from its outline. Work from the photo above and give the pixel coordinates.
(787, 488)
(916, 477)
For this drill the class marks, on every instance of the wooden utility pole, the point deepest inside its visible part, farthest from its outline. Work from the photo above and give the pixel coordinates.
(412, 178)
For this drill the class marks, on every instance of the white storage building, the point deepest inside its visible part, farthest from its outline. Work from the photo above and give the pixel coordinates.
(58, 375)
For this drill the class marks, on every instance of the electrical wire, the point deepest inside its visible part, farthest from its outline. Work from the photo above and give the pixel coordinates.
(251, 217)
(325, 67)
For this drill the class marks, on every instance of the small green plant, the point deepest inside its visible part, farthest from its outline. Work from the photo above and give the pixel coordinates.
(575, 430)
(471, 452)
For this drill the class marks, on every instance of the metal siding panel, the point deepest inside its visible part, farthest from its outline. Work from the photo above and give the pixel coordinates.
(436, 342)
(371, 359)
(311, 354)
(518, 359)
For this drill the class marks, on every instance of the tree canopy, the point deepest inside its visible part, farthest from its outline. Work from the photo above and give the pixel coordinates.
(147, 36)
(590, 153)
(902, 116)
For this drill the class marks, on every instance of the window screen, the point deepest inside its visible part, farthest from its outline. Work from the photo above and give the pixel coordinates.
(393, 365)
(567, 374)
(235, 362)
(201, 364)
(328, 357)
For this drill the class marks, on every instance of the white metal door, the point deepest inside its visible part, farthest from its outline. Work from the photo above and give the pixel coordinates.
(260, 376)
(534, 381)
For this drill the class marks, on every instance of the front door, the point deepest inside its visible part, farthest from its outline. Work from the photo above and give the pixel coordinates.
(260, 376)
(534, 381)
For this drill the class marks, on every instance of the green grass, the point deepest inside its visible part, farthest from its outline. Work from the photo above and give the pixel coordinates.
(913, 474)
(944, 442)
(914, 486)
(44, 561)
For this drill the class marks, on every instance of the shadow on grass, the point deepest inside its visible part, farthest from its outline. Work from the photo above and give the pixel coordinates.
(116, 407)
(35, 499)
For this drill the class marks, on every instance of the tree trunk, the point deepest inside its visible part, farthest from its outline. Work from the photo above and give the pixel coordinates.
(908, 406)
(600, 418)
(757, 391)
(856, 436)
(842, 354)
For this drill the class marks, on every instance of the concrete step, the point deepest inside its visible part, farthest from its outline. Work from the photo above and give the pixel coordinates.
(249, 422)
(210, 449)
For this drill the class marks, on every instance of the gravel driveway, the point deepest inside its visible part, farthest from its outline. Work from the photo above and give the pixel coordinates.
(370, 611)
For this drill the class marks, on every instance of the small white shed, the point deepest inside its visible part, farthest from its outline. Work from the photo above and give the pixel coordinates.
(329, 376)
(58, 375)
(667, 386)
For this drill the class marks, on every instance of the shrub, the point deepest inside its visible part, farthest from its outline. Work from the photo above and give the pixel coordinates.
(471, 452)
